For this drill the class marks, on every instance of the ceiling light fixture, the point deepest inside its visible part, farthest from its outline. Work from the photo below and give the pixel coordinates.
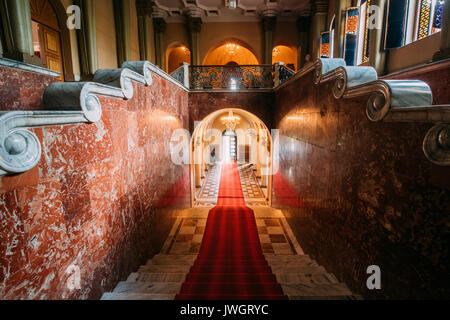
(232, 47)
(231, 121)
(231, 4)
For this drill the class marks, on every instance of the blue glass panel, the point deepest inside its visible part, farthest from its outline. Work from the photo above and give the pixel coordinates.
(437, 22)
(350, 49)
(395, 23)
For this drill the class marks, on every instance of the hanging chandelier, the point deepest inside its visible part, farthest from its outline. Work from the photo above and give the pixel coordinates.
(231, 4)
(232, 48)
(231, 121)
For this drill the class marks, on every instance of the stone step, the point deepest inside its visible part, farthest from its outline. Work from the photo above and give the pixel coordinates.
(286, 257)
(136, 296)
(311, 279)
(148, 287)
(165, 268)
(156, 277)
(298, 290)
(293, 263)
(298, 269)
(173, 259)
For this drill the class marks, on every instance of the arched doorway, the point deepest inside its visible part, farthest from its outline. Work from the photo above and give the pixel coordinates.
(229, 143)
(248, 142)
(285, 54)
(176, 55)
(231, 51)
(51, 38)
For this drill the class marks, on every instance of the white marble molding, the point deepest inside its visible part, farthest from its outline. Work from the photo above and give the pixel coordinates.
(66, 103)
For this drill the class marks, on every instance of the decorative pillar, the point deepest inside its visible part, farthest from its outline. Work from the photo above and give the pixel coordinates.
(144, 12)
(122, 18)
(444, 51)
(159, 27)
(303, 29)
(269, 24)
(318, 25)
(195, 27)
(377, 54)
(339, 31)
(18, 34)
(87, 39)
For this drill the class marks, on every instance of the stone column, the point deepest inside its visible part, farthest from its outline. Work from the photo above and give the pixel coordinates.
(144, 12)
(377, 54)
(122, 17)
(339, 31)
(195, 27)
(159, 27)
(87, 39)
(16, 19)
(318, 25)
(269, 24)
(444, 51)
(303, 29)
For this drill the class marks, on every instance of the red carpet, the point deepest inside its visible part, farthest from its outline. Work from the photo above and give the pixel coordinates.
(230, 265)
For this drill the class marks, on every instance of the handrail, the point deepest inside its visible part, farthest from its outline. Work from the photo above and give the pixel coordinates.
(66, 103)
(388, 101)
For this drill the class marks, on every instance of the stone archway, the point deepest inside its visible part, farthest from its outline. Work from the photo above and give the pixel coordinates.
(51, 37)
(231, 50)
(254, 137)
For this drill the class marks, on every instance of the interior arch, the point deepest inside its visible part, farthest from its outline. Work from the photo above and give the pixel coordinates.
(231, 50)
(252, 135)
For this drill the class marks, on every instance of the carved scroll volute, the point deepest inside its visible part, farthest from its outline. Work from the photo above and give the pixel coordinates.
(436, 144)
(20, 149)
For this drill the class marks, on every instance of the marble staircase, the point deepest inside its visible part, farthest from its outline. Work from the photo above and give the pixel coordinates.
(301, 277)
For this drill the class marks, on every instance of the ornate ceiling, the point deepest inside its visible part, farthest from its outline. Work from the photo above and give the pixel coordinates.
(219, 11)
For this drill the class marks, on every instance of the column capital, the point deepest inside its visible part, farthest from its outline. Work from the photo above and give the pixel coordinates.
(303, 24)
(319, 6)
(144, 8)
(195, 24)
(269, 23)
(160, 25)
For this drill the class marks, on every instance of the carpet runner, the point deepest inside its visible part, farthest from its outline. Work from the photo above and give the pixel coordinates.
(230, 265)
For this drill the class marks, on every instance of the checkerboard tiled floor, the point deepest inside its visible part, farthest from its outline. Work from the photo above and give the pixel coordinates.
(207, 194)
(250, 186)
(272, 234)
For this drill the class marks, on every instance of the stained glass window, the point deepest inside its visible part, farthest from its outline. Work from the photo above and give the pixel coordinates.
(366, 33)
(351, 35)
(437, 22)
(411, 20)
(424, 18)
(396, 23)
(325, 44)
(430, 17)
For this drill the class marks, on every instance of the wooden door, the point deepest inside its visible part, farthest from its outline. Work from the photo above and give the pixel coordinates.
(51, 50)
(247, 153)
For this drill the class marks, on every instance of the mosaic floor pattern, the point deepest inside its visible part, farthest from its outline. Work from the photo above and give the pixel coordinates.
(207, 194)
(273, 230)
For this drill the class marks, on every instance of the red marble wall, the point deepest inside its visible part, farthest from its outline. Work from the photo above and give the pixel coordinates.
(201, 104)
(102, 198)
(22, 90)
(358, 193)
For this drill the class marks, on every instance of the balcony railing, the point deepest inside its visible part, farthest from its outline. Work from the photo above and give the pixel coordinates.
(242, 77)
(231, 77)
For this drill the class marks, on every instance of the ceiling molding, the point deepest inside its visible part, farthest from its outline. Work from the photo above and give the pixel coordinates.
(177, 11)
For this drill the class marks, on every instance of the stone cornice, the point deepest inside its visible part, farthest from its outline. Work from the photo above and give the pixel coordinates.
(144, 8)
(319, 6)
